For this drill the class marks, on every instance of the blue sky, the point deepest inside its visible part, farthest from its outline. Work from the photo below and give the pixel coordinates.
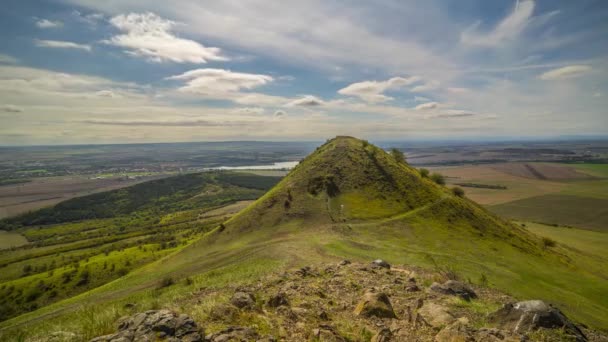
(119, 71)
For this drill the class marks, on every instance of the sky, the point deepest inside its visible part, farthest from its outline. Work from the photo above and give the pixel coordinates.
(131, 71)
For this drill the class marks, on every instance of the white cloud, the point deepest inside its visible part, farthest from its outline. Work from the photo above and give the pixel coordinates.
(257, 99)
(372, 91)
(306, 101)
(597, 94)
(91, 19)
(427, 106)
(428, 86)
(279, 114)
(249, 110)
(11, 109)
(148, 35)
(508, 29)
(45, 23)
(566, 72)
(6, 59)
(421, 99)
(219, 82)
(458, 90)
(58, 44)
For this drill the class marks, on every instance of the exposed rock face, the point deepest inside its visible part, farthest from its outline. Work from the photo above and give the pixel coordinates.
(379, 263)
(153, 325)
(375, 304)
(523, 317)
(454, 288)
(243, 300)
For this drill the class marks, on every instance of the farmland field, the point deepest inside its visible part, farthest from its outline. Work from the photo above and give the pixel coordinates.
(583, 240)
(11, 239)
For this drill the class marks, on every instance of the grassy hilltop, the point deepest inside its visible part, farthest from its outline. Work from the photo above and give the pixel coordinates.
(348, 199)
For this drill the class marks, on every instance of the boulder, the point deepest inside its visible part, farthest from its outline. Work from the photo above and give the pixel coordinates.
(243, 300)
(436, 315)
(344, 263)
(375, 304)
(454, 288)
(379, 263)
(456, 332)
(526, 316)
(154, 324)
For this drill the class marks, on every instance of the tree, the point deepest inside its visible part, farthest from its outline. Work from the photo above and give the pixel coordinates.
(457, 191)
(424, 173)
(438, 178)
(398, 155)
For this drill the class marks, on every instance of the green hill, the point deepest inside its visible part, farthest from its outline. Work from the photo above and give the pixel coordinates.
(348, 199)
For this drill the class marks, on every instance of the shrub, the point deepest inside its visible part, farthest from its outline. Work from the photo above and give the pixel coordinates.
(424, 173)
(457, 191)
(547, 242)
(438, 178)
(166, 281)
(398, 155)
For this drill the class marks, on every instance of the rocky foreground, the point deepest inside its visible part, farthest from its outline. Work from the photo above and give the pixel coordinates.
(357, 302)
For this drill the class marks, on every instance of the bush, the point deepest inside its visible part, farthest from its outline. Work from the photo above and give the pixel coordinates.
(457, 191)
(438, 178)
(547, 242)
(398, 155)
(166, 281)
(424, 173)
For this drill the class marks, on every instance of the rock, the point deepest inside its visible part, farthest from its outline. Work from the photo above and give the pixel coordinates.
(234, 334)
(304, 271)
(152, 324)
(277, 300)
(456, 332)
(344, 263)
(454, 288)
(436, 315)
(286, 312)
(523, 317)
(243, 300)
(323, 316)
(223, 312)
(379, 263)
(376, 304)
(383, 335)
(327, 333)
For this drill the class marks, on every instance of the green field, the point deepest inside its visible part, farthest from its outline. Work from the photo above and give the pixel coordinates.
(584, 241)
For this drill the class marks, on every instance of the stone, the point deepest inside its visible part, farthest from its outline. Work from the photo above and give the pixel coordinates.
(277, 300)
(527, 316)
(454, 288)
(243, 300)
(344, 263)
(436, 315)
(375, 304)
(234, 333)
(384, 335)
(151, 324)
(327, 333)
(379, 263)
(456, 332)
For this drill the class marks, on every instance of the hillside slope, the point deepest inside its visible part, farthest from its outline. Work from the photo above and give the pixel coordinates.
(348, 199)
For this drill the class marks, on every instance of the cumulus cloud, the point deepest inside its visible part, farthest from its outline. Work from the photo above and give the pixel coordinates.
(219, 82)
(428, 86)
(566, 72)
(91, 19)
(58, 44)
(372, 91)
(148, 35)
(306, 101)
(8, 108)
(506, 30)
(45, 23)
(427, 106)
